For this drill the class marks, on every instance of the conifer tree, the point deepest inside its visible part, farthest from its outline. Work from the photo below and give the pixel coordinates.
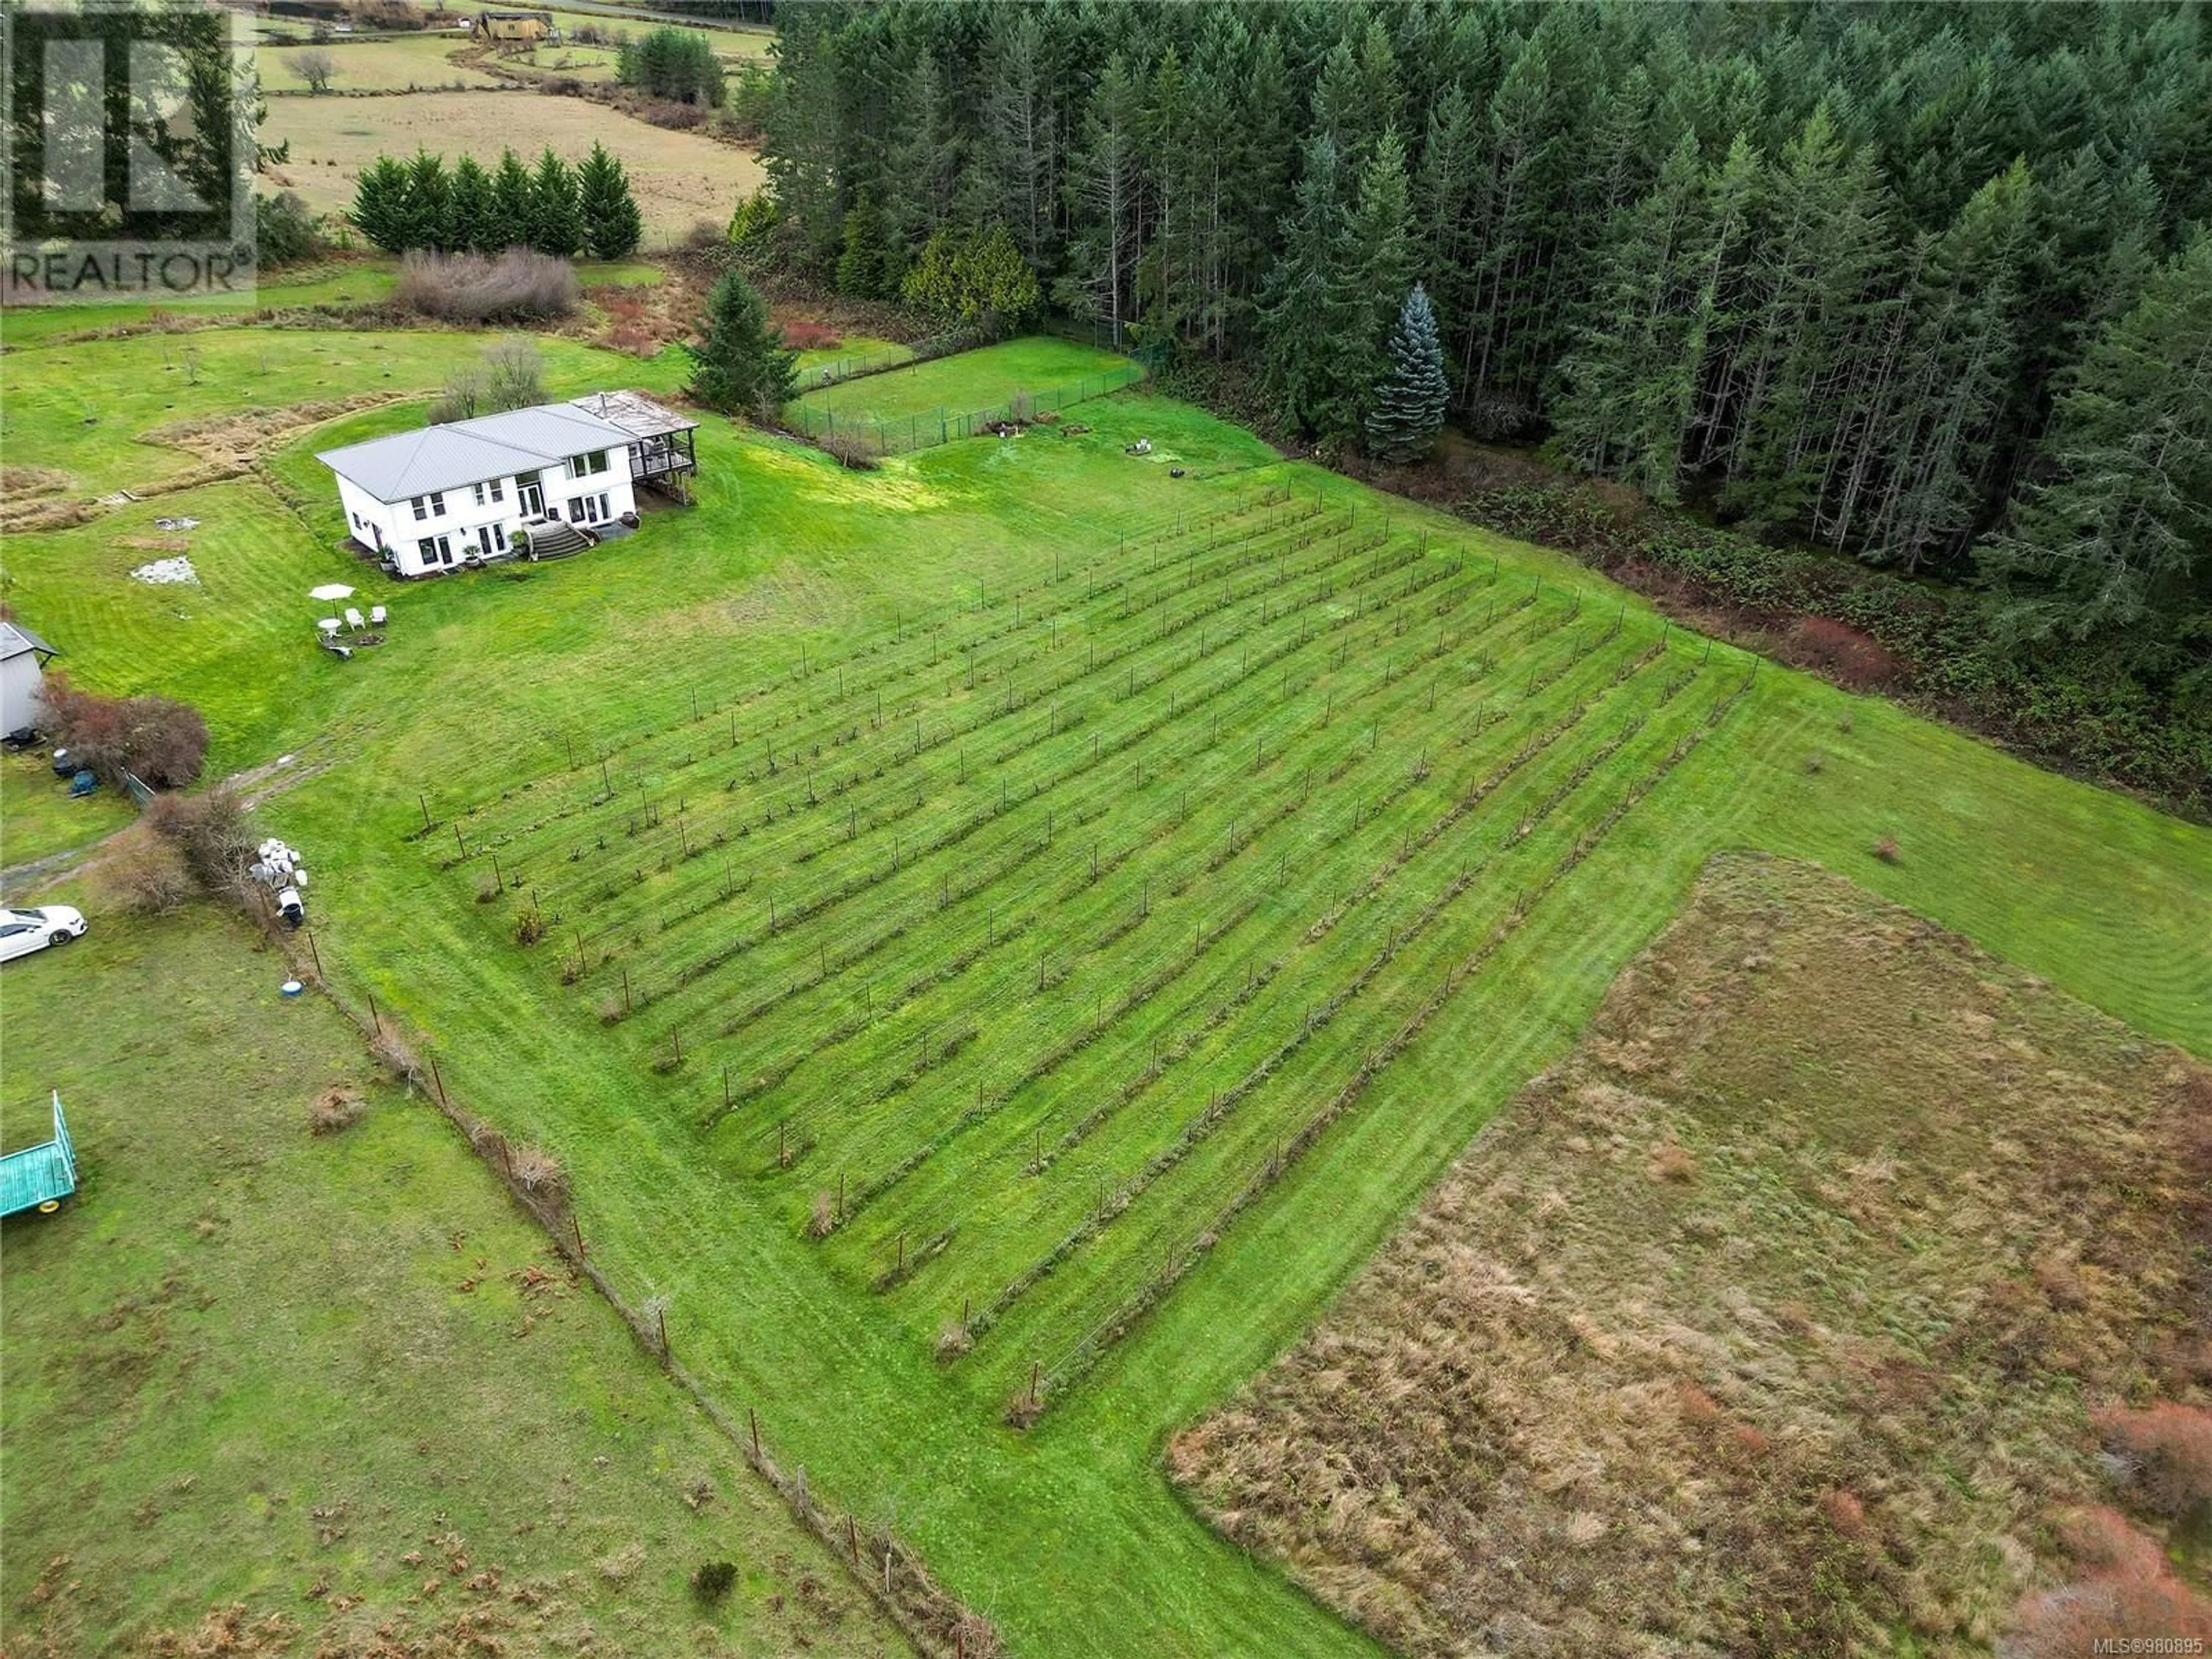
(2119, 543)
(555, 225)
(379, 204)
(740, 365)
(1304, 310)
(468, 206)
(612, 224)
(1105, 190)
(511, 204)
(428, 203)
(1409, 405)
(867, 267)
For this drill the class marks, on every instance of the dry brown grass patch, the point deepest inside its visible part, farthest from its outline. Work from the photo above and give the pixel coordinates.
(1765, 1323)
(338, 1108)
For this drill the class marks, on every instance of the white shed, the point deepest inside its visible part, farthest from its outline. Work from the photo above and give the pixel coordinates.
(23, 657)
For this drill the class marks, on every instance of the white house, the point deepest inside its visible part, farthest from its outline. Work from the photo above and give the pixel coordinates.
(457, 493)
(23, 676)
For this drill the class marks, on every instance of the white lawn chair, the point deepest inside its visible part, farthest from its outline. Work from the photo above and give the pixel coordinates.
(376, 616)
(354, 621)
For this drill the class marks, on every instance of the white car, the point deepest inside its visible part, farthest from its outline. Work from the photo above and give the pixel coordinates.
(22, 931)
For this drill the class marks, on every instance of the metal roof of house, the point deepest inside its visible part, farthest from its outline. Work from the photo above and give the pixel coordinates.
(410, 464)
(635, 413)
(15, 640)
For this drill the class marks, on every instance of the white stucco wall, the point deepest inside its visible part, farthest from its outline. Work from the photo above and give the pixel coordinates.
(394, 526)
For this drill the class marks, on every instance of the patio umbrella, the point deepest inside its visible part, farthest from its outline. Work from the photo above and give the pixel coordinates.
(330, 591)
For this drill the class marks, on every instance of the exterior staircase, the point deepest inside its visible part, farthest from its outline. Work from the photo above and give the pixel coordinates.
(557, 539)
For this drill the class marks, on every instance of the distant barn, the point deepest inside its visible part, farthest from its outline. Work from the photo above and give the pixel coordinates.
(519, 26)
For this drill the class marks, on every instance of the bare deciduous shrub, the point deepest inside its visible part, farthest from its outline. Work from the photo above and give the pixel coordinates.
(1024, 1409)
(397, 1055)
(529, 928)
(145, 875)
(539, 1174)
(314, 66)
(160, 740)
(824, 1219)
(1886, 849)
(2169, 1446)
(338, 1107)
(518, 285)
(953, 1340)
(852, 453)
(214, 833)
(514, 372)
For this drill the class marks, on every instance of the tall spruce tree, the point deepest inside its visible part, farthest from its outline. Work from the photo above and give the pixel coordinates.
(1313, 364)
(740, 366)
(1408, 408)
(428, 203)
(379, 204)
(2119, 542)
(557, 227)
(470, 212)
(613, 225)
(512, 211)
(1105, 193)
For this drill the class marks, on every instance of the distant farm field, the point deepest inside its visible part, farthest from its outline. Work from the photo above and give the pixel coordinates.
(679, 178)
(391, 64)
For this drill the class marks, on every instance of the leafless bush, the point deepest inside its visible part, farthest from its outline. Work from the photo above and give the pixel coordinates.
(851, 452)
(338, 1107)
(514, 374)
(518, 285)
(539, 1174)
(824, 1219)
(678, 117)
(396, 1054)
(158, 739)
(213, 832)
(466, 392)
(1886, 849)
(953, 1340)
(145, 875)
(2169, 1447)
(314, 66)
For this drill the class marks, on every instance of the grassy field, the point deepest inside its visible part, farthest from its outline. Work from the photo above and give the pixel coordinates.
(388, 63)
(679, 178)
(955, 385)
(38, 817)
(334, 1378)
(1724, 1318)
(1379, 807)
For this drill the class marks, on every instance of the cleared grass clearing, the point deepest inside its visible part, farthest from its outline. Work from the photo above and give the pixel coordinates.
(335, 1377)
(678, 177)
(958, 385)
(1770, 1310)
(792, 570)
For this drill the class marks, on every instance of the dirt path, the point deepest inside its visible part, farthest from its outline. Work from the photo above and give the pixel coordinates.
(256, 784)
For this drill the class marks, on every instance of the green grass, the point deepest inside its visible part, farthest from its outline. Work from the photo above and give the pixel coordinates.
(358, 283)
(390, 63)
(792, 570)
(248, 1362)
(959, 385)
(38, 817)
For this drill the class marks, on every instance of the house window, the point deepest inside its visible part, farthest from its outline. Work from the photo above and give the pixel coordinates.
(603, 507)
(421, 510)
(582, 465)
(480, 495)
(497, 494)
(437, 503)
(426, 550)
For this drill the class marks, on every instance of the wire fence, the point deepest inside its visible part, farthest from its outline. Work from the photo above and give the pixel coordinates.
(925, 429)
(875, 363)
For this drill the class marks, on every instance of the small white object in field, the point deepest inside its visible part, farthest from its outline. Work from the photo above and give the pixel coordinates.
(165, 572)
(291, 987)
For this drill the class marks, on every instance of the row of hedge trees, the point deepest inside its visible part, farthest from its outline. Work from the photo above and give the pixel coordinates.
(555, 208)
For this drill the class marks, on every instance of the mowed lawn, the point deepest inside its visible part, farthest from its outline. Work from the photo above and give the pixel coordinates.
(679, 179)
(336, 1377)
(969, 382)
(1303, 682)
(38, 816)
